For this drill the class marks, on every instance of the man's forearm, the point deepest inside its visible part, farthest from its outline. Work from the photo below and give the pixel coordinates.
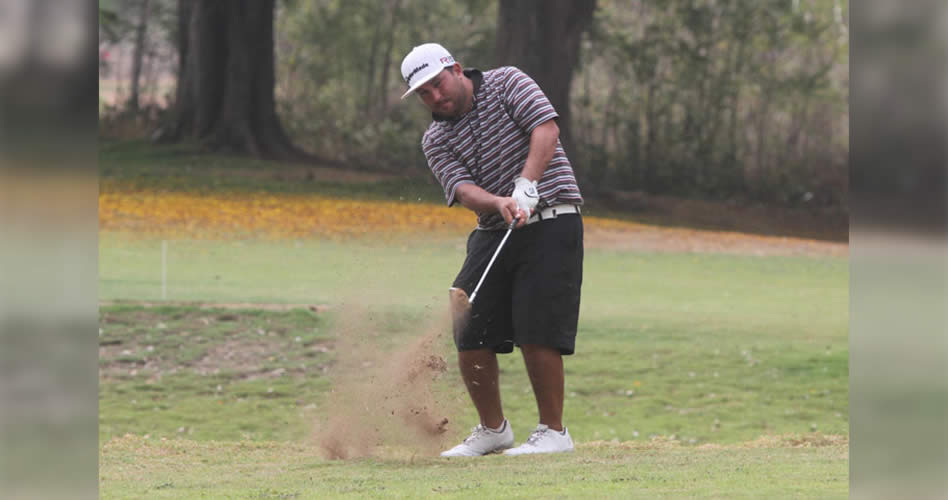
(476, 199)
(542, 146)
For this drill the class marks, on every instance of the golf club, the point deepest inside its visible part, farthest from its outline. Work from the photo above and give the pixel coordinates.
(510, 227)
(460, 302)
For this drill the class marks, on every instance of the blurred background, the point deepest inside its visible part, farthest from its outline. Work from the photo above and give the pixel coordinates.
(742, 103)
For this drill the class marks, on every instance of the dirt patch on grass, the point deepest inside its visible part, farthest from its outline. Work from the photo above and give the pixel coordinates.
(639, 238)
(240, 357)
(384, 393)
(317, 308)
(205, 342)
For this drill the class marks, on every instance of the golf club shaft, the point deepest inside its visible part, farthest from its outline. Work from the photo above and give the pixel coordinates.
(491, 263)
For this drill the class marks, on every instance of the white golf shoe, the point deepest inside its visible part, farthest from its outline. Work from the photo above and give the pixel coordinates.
(482, 441)
(544, 440)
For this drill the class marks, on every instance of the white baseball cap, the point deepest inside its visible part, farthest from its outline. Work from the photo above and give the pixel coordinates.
(423, 63)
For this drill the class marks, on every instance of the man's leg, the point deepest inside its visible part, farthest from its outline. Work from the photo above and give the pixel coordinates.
(545, 368)
(480, 373)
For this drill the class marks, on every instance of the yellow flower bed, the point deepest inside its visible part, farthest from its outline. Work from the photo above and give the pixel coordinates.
(155, 212)
(193, 215)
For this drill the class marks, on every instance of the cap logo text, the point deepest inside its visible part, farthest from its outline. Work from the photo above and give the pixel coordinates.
(414, 72)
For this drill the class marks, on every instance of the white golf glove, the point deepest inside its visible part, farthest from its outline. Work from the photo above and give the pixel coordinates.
(525, 192)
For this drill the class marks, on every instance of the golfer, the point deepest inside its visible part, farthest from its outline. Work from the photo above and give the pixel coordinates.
(494, 146)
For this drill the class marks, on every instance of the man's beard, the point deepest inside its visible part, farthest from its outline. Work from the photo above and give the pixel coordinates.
(459, 102)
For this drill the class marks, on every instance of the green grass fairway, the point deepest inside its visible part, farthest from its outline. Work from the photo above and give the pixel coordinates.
(136, 468)
(682, 361)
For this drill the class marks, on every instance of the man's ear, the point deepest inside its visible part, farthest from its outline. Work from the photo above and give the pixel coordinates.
(457, 69)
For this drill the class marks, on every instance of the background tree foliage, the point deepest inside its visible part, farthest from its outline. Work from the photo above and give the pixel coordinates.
(717, 98)
(339, 79)
(701, 98)
(136, 52)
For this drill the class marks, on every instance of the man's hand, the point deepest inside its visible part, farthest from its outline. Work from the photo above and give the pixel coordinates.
(525, 193)
(475, 198)
(508, 208)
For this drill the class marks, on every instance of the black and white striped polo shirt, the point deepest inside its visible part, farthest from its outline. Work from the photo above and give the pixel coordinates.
(488, 145)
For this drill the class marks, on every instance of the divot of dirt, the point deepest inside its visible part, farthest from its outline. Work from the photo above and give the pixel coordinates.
(385, 398)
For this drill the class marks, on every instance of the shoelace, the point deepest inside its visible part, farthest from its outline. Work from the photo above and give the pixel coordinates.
(476, 432)
(536, 436)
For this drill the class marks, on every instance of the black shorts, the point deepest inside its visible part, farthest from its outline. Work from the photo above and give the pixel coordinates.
(531, 294)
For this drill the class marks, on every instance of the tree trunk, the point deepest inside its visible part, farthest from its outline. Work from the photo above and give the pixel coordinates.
(387, 57)
(226, 79)
(183, 110)
(139, 55)
(368, 99)
(650, 171)
(542, 37)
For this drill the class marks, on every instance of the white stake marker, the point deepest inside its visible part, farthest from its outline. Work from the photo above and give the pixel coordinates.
(164, 269)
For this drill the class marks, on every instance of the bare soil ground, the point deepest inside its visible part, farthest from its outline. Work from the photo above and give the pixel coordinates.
(665, 239)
